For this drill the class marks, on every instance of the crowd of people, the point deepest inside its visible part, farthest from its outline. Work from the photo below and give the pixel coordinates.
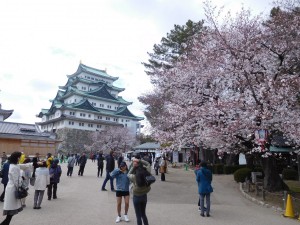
(19, 170)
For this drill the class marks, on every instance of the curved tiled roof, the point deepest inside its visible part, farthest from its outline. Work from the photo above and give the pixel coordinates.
(86, 105)
(6, 113)
(93, 71)
(102, 92)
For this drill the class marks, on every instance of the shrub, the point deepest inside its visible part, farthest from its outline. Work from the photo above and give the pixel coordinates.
(232, 169)
(289, 174)
(241, 174)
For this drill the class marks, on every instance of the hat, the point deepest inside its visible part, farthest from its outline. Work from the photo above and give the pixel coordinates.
(123, 164)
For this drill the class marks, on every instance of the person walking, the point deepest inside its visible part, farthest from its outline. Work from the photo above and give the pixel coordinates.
(12, 205)
(4, 181)
(140, 169)
(3, 158)
(55, 173)
(110, 166)
(100, 163)
(122, 189)
(156, 166)
(42, 180)
(204, 178)
(71, 163)
(82, 162)
(163, 168)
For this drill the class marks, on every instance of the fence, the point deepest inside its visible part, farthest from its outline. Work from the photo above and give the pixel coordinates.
(275, 199)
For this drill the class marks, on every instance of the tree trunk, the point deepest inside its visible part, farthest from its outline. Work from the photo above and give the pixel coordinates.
(272, 180)
(249, 161)
(231, 159)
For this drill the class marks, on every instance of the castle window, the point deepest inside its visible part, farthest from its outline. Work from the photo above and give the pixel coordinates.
(100, 117)
(90, 125)
(107, 118)
(109, 106)
(98, 126)
(81, 124)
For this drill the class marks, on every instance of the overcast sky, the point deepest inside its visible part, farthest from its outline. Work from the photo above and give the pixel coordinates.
(43, 41)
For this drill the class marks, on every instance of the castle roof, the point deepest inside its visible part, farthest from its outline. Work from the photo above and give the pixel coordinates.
(6, 113)
(93, 71)
(74, 80)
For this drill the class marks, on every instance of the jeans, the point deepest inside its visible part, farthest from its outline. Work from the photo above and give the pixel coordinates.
(108, 177)
(139, 203)
(38, 198)
(207, 197)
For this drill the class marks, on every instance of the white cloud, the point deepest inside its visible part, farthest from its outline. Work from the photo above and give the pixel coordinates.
(43, 41)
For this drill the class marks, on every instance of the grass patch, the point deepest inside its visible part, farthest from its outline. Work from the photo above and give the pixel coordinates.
(294, 185)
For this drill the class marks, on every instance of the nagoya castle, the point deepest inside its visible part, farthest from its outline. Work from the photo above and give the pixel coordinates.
(89, 101)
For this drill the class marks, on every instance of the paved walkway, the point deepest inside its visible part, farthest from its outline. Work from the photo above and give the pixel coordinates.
(80, 202)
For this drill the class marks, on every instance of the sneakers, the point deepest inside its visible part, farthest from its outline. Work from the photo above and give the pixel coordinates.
(118, 219)
(126, 218)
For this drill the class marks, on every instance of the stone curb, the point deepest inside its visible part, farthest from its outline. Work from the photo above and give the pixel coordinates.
(259, 202)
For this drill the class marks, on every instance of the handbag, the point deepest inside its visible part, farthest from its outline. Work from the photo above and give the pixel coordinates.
(150, 180)
(32, 181)
(20, 192)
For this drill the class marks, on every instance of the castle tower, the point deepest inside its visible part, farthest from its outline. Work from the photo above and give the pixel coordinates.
(89, 101)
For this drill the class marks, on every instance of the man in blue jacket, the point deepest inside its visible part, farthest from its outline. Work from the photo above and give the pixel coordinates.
(204, 178)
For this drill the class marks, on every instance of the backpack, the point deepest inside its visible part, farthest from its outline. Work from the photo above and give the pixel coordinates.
(144, 177)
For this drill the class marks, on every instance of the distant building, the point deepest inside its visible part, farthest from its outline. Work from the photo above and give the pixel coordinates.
(25, 138)
(89, 101)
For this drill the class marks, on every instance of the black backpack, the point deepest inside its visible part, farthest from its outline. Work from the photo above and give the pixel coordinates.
(144, 177)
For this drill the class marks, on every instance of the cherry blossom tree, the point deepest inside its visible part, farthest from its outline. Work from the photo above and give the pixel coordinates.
(119, 139)
(238, 76)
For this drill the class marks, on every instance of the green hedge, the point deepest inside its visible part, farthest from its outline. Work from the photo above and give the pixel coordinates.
(218, 168)
(289, 174)
(241, 174)
(232, 169)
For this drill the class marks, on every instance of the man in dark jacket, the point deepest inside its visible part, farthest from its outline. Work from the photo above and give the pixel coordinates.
(35, 161)
(4, 180)
(110, 166)
(100, 159)
(82, 162)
